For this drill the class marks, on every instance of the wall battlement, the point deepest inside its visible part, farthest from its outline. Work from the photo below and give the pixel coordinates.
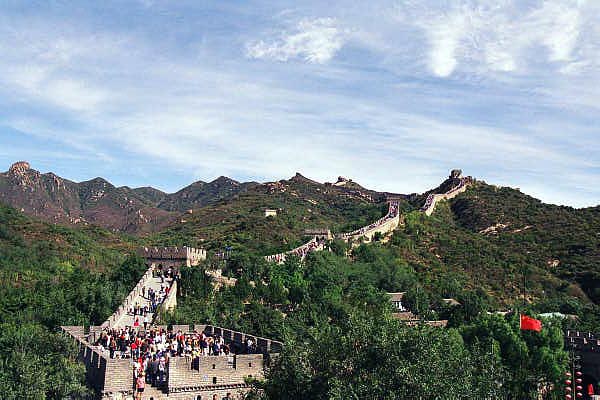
(173, 256)
(434, 198)
(112, 378)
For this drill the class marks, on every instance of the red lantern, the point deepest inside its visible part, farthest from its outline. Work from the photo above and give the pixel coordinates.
(568, 382)
(568, 374)
(578, 380)
(568, 397)
(568, 389)
(579, 395)
(578, 373)
(578, 388)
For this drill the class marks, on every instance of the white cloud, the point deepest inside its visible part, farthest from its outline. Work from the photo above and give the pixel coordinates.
(444, 37)
(314, 40)
(143, 100)
(479, 36)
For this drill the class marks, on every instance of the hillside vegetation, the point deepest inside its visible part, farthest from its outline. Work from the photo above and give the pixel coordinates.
(556, 240)
(301, 204)
(50, 276)
(489, 248)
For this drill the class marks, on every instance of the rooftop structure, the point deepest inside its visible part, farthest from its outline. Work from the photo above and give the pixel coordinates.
(270, 212)
(173, 256)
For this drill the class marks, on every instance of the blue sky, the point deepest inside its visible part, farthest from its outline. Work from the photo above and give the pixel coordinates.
(392, 94)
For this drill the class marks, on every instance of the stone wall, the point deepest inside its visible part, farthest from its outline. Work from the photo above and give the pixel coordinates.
(383, 229)
(119, 377)
(263, 344)
(129, 300)
(170, 301)
(214, 372)
(433, 199)
(94, 361)
(173, 256)
(301, 251)
(384, 226)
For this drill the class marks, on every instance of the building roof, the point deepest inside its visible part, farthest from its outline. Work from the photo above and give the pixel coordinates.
(451, 302)
(397, 296)
(405, 316)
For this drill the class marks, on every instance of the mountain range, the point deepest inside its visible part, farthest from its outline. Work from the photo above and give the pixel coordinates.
(487, 237)
(124, 209)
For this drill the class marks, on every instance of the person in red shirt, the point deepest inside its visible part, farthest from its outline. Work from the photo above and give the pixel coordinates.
(134, 352)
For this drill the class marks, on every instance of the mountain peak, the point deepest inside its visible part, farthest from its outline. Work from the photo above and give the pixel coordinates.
(301, 178)
(19, 168)
(223, 180)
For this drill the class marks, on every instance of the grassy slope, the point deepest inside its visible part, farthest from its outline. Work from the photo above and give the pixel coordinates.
(449, 250)
(539, 232)
(240, 221)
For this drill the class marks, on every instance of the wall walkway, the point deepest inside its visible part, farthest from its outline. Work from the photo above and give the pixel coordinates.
(434, 198)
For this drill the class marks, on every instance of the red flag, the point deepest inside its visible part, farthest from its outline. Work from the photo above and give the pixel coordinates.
(530, 324)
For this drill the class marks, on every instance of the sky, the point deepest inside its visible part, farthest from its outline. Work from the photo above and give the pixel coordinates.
(392, 94)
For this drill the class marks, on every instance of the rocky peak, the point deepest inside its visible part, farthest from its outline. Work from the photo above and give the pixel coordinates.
(223, 180)
(19, 168)
(299, 178)
(22, 174)
(342, 181)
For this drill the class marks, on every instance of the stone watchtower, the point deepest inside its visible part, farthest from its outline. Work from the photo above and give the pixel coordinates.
(172, 256)
(456, 174)
(187, 377)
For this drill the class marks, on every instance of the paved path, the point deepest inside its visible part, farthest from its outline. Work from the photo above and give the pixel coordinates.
(128, 319)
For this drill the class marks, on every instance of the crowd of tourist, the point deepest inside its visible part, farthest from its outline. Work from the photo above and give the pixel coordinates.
(142, 313)
(151, 349)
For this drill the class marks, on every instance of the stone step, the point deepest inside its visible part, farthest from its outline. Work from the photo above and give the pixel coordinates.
(153, 392)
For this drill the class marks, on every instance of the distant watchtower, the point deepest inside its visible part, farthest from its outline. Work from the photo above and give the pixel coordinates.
(173, 256)
(456, 174)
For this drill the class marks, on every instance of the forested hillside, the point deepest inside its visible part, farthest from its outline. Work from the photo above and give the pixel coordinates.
(490, 249)
(301, 204)
(52, 276)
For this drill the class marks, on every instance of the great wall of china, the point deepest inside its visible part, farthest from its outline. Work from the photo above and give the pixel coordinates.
(112, 378)
(434, 198)
(383, 226)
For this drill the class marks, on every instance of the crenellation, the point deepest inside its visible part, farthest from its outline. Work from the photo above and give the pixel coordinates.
(210, 374)
(173, 256)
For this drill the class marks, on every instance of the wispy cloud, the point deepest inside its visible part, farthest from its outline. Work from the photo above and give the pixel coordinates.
(390, 94)
(313, 40)
(505, 36)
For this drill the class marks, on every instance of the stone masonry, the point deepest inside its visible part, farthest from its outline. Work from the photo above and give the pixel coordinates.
(113, 378)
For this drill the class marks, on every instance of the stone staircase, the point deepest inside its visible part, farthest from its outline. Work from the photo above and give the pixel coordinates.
(127, 318)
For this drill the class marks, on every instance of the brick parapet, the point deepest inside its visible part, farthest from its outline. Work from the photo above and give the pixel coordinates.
(170, 301)
(94, 361)
(182, 255)
(384, 225)
(129, 300)
(435, 198)
(214, 372)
